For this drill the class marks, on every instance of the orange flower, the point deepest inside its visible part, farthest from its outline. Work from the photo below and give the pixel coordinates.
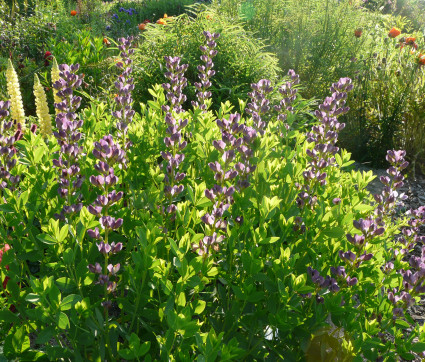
(106, 41)
(161, 21)
(73, 13)
(165, 16)
(394, 32)
(142, 26)
(358, 33)
(421, 59)
(410, 40)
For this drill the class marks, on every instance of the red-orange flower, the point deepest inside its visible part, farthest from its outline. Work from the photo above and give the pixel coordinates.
(106, 41)
(358, 33)
(73, 13)
(421, 59)
(394, 32)
(410, 40)
(142, 26)
(161, 21)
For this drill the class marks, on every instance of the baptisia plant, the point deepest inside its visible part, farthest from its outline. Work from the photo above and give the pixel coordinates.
(177, 82)
(289, 93)
(124, 86)
(7, 149)
(324, 136)
(108, 154)
(174, 141)
(205, 71)
(68, 137)
(225, 170)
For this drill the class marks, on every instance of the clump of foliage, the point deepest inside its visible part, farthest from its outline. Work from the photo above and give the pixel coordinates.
(182, 233)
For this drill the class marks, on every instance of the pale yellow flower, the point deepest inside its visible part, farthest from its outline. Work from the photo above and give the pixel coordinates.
(16, 105)
(55, 78)
(42, 108)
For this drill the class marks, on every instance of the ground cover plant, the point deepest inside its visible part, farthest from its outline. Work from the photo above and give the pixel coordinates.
(181, 232)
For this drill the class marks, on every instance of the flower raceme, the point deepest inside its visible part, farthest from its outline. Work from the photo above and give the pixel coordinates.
(68, 137)
(42, 108)
(259, 104)
(175, 74)
(108, 154)
(221, 194)
(124, 86)
(8, 136)
(16, 106)
(205, 71)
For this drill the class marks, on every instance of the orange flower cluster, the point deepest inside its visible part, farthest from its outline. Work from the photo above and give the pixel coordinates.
(394, 33)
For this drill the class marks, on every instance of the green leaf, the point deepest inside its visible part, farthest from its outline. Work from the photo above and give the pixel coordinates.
(200, 306)
(20, 341)
(8, 316)
(363, 208)
(143, 349)
(38, 154)
(418, 347)
(334, 233)
(63, 233)
(46, 239)
(62, 320)
(69, 301)
(270, 240)
(7, 208)
(402, 323)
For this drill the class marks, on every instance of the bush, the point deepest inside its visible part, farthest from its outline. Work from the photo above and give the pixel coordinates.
(182, 36)
(173, 233)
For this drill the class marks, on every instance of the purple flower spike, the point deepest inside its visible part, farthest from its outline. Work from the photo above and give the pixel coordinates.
(205, 71)
(175, 74)
(68, 136)
(8, 137)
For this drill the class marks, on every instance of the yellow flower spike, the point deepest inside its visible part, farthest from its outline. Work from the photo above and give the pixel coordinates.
(16, 105)
(42, 108)
(55, 78)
